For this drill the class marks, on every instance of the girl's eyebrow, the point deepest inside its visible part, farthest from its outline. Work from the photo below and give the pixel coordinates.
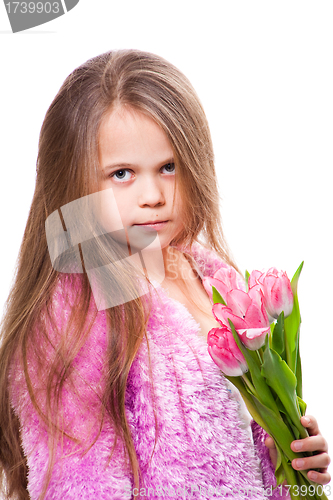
(128, 165)
(118, 165)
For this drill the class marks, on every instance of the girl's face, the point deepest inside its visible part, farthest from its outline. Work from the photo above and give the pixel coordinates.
(136, 159)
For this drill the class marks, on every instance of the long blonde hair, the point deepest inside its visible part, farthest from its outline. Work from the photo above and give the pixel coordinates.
(68, 169)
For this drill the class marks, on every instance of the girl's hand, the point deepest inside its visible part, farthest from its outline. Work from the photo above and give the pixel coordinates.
(315, 443)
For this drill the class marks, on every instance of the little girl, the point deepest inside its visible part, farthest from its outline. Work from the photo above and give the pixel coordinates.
(107, 388)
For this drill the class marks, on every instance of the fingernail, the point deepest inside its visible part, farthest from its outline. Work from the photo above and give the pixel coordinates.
(299, 462)
(313, 475)
(306, 420)
(297, 446)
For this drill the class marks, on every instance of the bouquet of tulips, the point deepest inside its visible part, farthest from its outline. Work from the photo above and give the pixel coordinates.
(257, 348)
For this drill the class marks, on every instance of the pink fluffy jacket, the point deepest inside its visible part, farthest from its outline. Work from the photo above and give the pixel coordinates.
(202, 449)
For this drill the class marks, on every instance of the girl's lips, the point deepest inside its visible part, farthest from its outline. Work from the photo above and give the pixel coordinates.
(155, 226)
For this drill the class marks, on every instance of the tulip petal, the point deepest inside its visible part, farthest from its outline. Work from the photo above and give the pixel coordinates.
(256, 295)
(253, 338)
(238, 301)
(223, 313)
(255, 278)
(233, 347)
(277, 292)
(219, 285)
(227, 363)
(225, 352)
(228, 276)
(207, 286)
(256, 318)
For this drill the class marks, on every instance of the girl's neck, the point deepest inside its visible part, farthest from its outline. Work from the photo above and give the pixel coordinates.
(174, 263)
(182, 282)
(174, 268)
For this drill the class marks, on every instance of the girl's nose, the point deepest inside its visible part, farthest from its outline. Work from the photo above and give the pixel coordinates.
(151, 193)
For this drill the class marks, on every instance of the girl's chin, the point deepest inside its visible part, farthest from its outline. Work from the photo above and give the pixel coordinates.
(141, 237)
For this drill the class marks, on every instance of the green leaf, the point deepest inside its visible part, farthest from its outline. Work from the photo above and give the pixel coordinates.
(293, 428)
(283, 381)
(238, 382)
(247, 276)
(272, 330)
(278, 430)
(292, 478)
(299, 387)
(279, 470)
(277, 340)
(287, 420)
(292, 326)
(294, 281)
(217, 297)
(302, 406)
(263, 392)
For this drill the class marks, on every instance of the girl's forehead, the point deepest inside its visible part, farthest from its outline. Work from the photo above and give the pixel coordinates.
(127, 133)
(126, 119)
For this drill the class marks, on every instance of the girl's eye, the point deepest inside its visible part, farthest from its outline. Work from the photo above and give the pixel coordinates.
(169, 168)
(121, 175)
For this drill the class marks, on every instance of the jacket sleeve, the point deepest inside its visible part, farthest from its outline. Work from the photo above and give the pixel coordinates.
(82, 467)
(267, 467)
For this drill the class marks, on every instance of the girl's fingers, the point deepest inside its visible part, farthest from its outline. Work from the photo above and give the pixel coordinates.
(311, 424)
(315, 443)
(319, 477)
(320, 461)
(312, 443)
(269, 442)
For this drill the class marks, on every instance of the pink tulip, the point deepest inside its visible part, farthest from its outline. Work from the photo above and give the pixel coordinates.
(247, 312)
(276, 290)
(224, 280)
(225, 352)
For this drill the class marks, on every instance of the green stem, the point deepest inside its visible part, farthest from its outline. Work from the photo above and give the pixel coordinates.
(249, 384)
(238, 382)
(260, 353)
(291, 478)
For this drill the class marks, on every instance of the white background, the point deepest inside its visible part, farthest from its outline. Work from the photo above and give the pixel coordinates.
(263, 71)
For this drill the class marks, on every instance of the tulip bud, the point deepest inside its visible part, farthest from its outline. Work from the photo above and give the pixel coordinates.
(277, 293)
(225, 279)
(225, 352)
